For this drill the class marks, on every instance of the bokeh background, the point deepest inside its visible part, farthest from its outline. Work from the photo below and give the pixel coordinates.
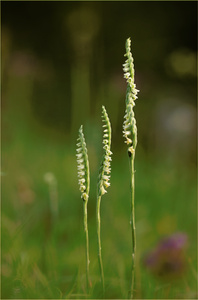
(60, 62)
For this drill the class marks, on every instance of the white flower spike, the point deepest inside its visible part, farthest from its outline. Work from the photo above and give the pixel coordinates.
(103, 181)
(129, 125)
(83, 165)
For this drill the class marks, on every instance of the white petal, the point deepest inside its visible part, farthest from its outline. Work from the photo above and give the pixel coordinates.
(82, 188)
(106, 184)
(81, 173)
(103, 191)
(105, 177)
(81, 167)
(82, 180)
(80, 161)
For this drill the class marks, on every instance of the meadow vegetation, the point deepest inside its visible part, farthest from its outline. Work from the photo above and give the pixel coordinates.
(50, 88)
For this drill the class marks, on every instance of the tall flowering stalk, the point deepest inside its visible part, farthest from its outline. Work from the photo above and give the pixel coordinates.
(103, 182)
(84, 184)
(130, 135)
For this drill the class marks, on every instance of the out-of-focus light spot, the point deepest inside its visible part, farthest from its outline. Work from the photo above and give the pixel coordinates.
(166, 224)
(182, 62)
(181, 120)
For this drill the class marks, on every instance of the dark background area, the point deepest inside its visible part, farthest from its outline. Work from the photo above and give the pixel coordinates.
(62, 36)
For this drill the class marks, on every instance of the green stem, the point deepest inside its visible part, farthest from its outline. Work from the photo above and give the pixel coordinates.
(131, 163)
(99, 242)
(87, 243)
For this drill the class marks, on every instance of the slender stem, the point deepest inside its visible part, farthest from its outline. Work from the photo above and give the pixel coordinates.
(131, 163)
(87, 243)
(99, 242)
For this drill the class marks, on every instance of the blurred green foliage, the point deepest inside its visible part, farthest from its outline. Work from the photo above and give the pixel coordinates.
(60, 62)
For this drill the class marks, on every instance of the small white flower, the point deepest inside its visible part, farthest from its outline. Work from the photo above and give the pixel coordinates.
(103, 191)
(106, 184)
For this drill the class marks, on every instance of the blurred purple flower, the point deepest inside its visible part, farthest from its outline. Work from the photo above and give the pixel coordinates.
(168, 258)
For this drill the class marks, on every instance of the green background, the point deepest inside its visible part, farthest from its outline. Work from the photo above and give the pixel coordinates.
(61, 61)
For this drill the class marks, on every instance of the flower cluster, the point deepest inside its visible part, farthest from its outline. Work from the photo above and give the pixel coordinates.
(168, 258)
(129, 126)
(105, 169)
(83, 165)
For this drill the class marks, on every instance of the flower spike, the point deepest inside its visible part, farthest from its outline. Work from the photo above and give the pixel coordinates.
(129, 125)
(83, 165)
(105, 169)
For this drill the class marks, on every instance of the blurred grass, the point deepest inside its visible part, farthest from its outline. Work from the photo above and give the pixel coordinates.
(46, 259)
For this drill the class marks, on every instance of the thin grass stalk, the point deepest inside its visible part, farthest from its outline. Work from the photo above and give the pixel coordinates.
(99, 243)
(86, 244)
(133, 230)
